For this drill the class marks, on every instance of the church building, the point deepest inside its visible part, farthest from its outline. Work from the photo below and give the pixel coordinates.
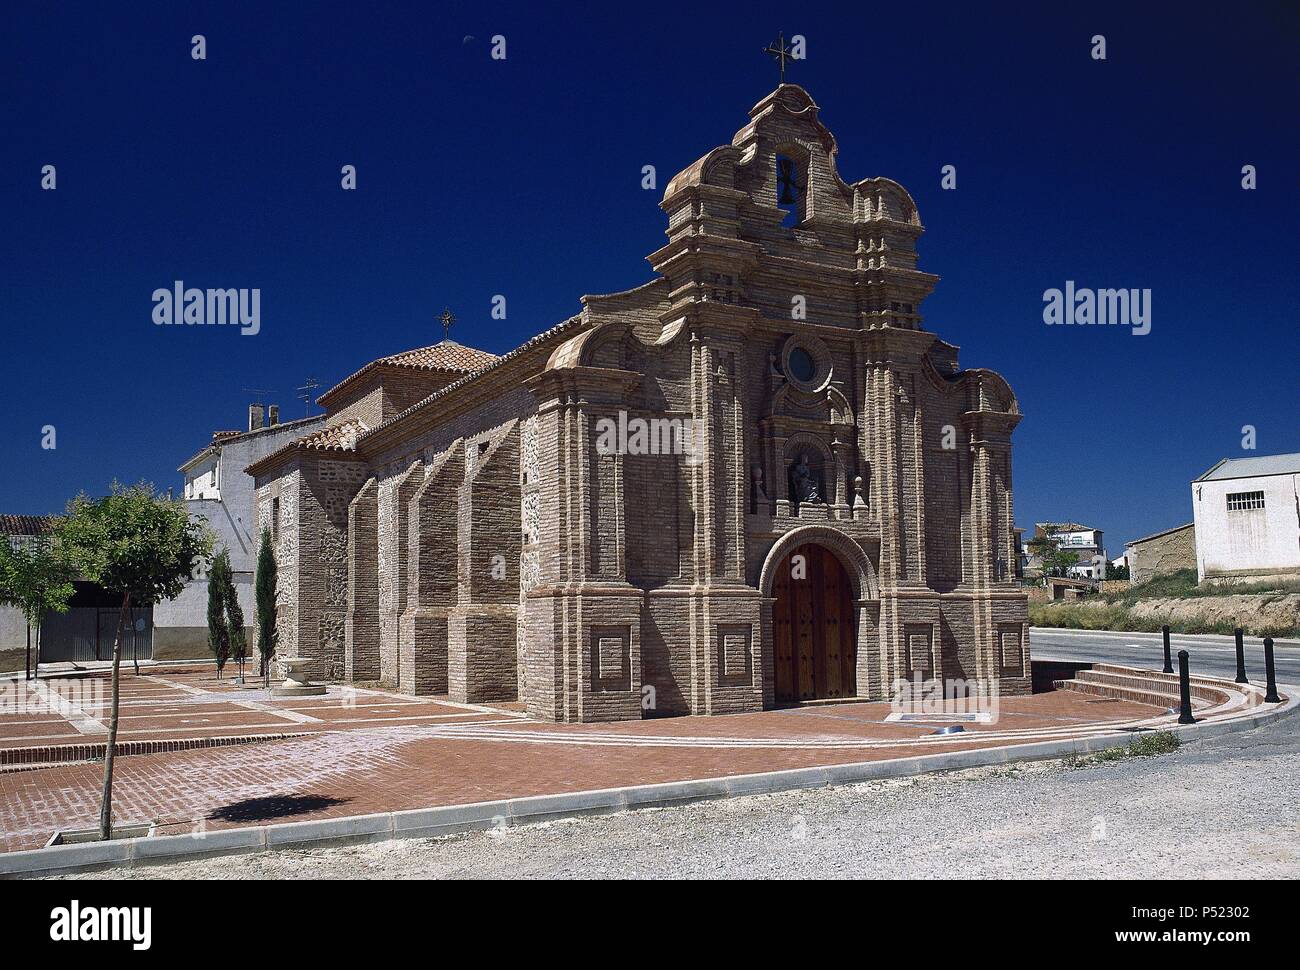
(755, 480)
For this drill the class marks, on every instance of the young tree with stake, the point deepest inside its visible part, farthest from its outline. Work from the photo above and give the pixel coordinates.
(143, 547)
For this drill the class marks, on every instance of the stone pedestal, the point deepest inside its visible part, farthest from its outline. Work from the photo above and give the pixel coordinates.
(296, 683)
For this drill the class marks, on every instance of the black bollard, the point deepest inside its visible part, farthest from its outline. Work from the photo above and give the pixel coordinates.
(1169, 667)
(1184, 691)
(1271, 680)
(1241, 659)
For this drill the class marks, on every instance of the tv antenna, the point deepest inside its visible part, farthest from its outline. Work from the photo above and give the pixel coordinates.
(306, 393)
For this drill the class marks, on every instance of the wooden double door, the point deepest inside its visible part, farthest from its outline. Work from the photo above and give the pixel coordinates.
(814, 627)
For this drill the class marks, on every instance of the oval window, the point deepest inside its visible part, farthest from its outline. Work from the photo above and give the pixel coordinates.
(802, 366)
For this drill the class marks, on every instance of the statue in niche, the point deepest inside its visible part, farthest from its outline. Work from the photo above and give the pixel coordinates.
(804, 481)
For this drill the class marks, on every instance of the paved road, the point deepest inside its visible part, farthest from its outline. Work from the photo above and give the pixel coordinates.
(1213, 655)
(1216, 808)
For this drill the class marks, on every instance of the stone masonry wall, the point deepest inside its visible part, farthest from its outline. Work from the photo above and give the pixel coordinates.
(361, 631)
(482, 646)
(1163, 554)
(328, 487)
(432, 587)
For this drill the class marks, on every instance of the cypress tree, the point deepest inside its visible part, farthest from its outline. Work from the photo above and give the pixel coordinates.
(235, 623)
(218, 631)
(264, 595)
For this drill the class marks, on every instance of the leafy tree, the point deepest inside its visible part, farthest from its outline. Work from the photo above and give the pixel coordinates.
(1058, 561)
(1040, 544)
(264, 593)
(143, 547)
(218, 631)
(1116, 572)
(235, 623)
(36, 580)
(1040, 547)
(1047, 549)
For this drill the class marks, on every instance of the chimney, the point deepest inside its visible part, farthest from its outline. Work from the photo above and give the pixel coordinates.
(272, 415)
(254, 417)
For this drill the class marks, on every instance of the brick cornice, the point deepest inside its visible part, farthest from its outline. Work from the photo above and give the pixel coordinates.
(608, 382)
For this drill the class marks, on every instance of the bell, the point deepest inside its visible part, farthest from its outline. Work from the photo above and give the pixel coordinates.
(785, 175)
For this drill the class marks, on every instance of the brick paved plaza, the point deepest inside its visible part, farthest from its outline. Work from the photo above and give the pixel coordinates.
(359, 751)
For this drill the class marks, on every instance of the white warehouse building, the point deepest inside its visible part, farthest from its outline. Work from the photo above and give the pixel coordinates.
(1247, 515)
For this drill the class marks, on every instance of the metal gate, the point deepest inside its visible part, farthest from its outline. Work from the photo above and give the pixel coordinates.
(85, 633)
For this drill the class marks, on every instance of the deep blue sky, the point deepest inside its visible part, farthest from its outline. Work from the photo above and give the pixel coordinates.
(522, 177)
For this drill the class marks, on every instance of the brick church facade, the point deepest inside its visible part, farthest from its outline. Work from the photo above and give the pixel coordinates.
(821, 508)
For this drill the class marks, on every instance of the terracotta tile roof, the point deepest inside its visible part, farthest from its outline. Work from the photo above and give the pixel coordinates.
(444, 355)
(1052, 527)
(217, 438)
(546, 337)
(337, 437)
(27, 525)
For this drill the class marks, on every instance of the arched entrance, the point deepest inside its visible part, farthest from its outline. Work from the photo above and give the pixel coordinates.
(814, 626)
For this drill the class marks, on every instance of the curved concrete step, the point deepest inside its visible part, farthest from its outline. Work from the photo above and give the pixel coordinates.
(1153, 698)
(1159, 685)
(1155, 674)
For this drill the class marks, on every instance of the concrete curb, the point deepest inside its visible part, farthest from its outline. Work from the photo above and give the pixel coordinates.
(426, 823)
(145, 665)
(43, 756)
(1278, 642)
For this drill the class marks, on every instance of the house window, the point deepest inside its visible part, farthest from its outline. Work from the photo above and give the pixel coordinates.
(275, 517)
(1242, 501)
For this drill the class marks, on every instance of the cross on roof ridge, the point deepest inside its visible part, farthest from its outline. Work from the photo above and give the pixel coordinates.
(780, 52)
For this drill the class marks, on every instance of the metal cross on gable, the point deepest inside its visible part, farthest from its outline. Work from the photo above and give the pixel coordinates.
(780, 52)
(447, 319)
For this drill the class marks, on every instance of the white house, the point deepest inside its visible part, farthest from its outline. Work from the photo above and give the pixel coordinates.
(217, 490)
(1085, 541)
(1247, 515)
